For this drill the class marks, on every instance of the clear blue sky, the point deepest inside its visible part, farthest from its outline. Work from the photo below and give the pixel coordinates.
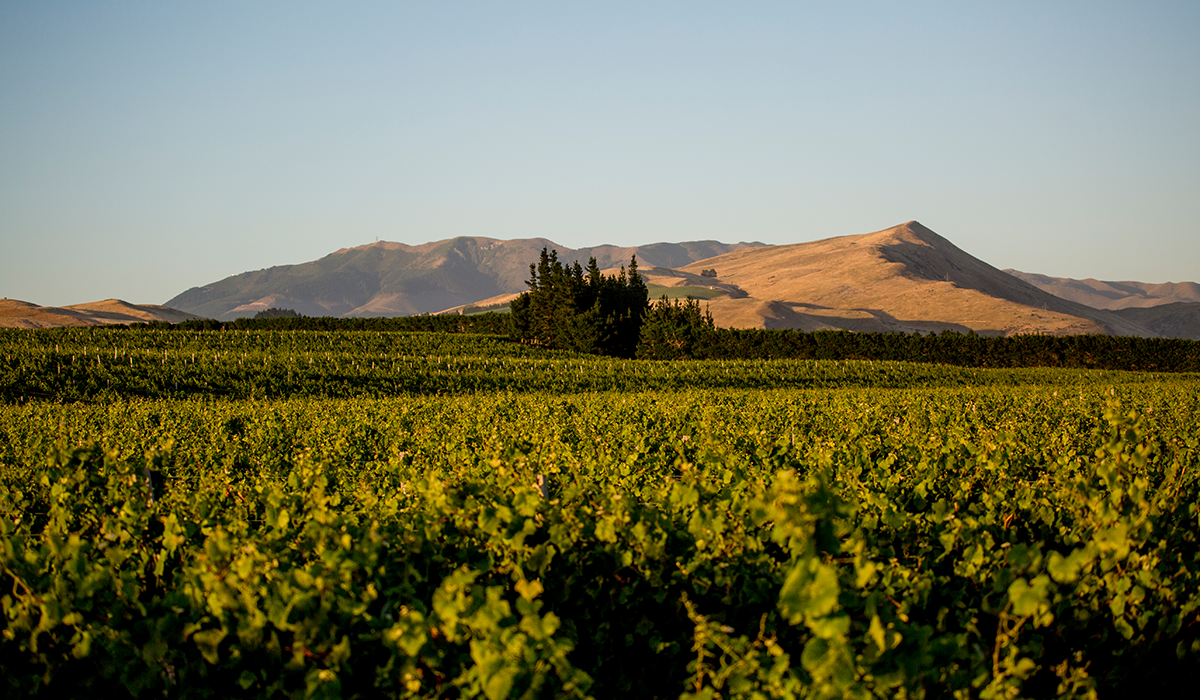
(146, 148)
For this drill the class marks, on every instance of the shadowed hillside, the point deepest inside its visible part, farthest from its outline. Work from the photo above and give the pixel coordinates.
(1178, 320)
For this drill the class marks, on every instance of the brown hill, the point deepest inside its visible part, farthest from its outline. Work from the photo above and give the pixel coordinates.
(1113, 295)
(905, 278)
(663, 277)
(22, 314)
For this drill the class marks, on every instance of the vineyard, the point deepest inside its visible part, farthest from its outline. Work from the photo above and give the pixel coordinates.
(275, 513)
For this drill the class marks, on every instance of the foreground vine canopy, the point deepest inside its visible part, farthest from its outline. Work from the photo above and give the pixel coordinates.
(271, 513)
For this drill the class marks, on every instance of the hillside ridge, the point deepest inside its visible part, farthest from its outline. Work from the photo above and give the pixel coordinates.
(23, 314)
(902, 278)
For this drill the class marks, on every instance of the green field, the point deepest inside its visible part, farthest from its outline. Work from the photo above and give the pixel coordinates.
(366, 514)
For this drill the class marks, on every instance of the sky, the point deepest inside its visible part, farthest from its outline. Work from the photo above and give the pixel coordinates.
(150, 147)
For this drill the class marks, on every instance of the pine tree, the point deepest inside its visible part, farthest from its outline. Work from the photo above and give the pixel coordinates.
(569, 308)
(676, 331)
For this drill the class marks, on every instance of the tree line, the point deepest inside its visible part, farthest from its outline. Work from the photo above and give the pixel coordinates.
(947, 347)
(490, 323)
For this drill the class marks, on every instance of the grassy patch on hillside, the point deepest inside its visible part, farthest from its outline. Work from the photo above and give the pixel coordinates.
(657, 292)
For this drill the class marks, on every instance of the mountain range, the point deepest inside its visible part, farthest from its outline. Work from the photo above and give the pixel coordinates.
(392, 279)
(904, 278)
(1113, 295)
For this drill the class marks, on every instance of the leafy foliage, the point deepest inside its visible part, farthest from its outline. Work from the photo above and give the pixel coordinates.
(896, 561)
(695, 529)
(675, 330)
(277, 313)
(101, 364)
(964, 350)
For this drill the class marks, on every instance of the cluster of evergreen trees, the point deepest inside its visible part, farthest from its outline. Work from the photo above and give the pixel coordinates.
(572, 308)
(674, 330)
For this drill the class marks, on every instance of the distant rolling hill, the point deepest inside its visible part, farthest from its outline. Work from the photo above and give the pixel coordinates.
(1113, 295)
(905, 278)
(22, 314)
(1169, 309)
(391, 279)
